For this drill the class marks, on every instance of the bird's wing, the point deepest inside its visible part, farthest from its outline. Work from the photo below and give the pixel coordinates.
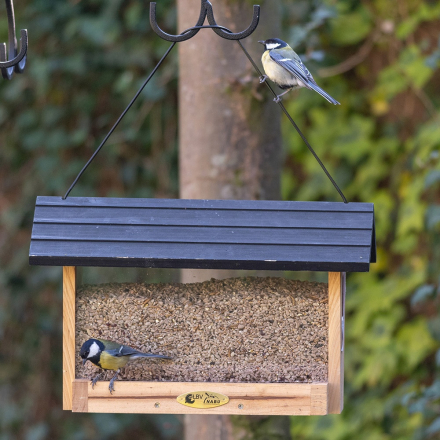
(110, 345)
(119, 350)
(123, 350)
(294, 65)
(133, 354)
(116, 349)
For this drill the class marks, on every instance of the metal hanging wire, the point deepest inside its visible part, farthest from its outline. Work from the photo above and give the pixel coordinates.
(10, 60)
(296, 127)
(206, 11)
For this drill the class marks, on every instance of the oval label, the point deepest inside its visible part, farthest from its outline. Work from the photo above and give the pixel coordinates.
(203, 399)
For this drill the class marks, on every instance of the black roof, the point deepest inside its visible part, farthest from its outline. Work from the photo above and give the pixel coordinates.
(216, 234)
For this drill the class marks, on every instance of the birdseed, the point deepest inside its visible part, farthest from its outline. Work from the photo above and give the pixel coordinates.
(234, 330)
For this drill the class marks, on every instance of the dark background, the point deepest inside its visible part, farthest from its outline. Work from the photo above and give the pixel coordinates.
(87, 59)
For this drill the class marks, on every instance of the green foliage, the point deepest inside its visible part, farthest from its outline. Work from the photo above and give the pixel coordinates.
(382, 145)
(352, 26)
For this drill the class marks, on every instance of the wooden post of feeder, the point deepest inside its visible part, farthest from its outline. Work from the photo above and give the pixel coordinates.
(69, 291)
(336, 286)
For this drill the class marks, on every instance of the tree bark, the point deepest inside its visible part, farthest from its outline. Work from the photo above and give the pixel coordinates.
(230, 141)
(212, 427)
(229, 130)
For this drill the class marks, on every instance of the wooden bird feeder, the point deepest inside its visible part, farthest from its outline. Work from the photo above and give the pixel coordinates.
(205, 234)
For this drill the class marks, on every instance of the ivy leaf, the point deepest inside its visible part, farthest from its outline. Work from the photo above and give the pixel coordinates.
(432, 178)
(351, 28)
(434, 427)
(422, 293)
(433, 216)
(433, 60)
(323, 13)
(414, 65)
(414, 343)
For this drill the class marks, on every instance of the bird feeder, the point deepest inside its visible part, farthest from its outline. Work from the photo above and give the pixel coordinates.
(253, 324)
(205, 234)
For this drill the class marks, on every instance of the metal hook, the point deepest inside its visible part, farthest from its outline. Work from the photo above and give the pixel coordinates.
(205, 10)
(176, 38)
(233, 36)
(16, 63)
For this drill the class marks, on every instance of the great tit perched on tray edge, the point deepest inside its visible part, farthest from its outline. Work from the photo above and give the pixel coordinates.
(284, 67)
(110, 355)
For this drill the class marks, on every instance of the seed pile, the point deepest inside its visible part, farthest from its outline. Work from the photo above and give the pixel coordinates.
(233, 330)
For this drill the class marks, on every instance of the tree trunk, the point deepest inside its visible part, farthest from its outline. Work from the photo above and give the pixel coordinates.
(210, 427)
(230, 141)
(229, 130)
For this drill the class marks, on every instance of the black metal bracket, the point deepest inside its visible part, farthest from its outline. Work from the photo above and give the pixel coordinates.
(205, 11)
(10, 60)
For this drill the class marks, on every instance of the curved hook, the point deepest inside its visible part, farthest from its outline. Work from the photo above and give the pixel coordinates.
(176, 38)
(205, 10)
(233, 36)
(7, 72)
(16, 62)
(22, 56)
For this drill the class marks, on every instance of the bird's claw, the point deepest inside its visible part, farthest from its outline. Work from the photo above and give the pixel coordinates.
(111, 387)
(277, 99)
(263, 79)
(93, 381)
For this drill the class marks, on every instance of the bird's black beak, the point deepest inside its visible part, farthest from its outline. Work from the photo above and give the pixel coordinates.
(84, 361)
(262, 42)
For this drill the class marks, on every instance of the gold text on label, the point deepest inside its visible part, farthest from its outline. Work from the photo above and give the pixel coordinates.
(203, 399)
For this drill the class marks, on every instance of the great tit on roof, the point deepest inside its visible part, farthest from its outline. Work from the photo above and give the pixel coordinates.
(110, 355)
(285, 68)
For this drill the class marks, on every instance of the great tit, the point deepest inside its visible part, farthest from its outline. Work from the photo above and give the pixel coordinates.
(110, 355)
(285, 68)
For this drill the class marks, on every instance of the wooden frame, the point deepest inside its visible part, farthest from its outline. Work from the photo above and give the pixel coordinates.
(69, 294)
(245, 398)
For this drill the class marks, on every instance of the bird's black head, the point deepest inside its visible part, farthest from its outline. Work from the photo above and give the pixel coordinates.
(91, 351)
(273, 43)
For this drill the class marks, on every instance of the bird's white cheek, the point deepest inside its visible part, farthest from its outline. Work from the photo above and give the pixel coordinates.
(272, 46)
(94, 350)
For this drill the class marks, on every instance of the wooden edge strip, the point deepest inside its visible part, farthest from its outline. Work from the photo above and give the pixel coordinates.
(343, 295)
(335, 355)
(69, 291)
(319, 399)
(80, 393)
(160, 398)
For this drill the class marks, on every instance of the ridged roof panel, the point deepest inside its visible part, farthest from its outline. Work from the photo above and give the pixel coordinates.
(220, 234)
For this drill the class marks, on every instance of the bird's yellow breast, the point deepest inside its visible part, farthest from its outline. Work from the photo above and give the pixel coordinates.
(109, 362)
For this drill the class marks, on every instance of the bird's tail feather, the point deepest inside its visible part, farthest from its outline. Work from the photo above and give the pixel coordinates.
(324, 94)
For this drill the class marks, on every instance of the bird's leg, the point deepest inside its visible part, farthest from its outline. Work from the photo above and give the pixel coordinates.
(93, 382)
(263, 79)
(278, 98)
(111, 386)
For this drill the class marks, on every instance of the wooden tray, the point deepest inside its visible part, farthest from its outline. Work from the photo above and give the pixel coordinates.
(245, 398)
